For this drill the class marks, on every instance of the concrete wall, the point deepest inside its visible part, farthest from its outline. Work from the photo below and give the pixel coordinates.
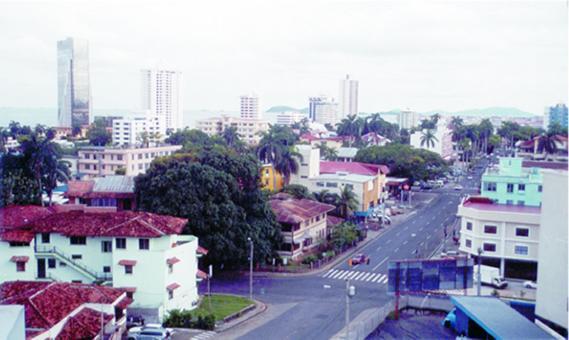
(551, 297)
(12, 322)
(8, 268)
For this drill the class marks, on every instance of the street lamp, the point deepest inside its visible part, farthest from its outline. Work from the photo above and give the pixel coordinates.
(250, 268)
(350, 293)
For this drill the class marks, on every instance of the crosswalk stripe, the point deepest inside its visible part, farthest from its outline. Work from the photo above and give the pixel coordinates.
(351, 274)
(366, 276)
(357, 277)
(385, 279)
(381, 277)
(377, 278)
(341, 276)
(330, 272)
(371, 278)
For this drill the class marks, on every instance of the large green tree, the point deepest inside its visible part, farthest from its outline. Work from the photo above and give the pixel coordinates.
(98, 134)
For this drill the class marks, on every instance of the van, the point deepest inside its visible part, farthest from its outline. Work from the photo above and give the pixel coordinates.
(439, 183)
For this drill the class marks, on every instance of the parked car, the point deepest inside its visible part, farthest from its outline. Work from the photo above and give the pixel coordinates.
(134, 321)
(530, 285)
(458, 187)
(150, 331)
(450, 320)
(360, 259)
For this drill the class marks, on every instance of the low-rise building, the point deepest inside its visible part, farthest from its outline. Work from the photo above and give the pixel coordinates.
(271, 179)
(57, 310)
(303, 224)
(511, 183)
(333, 142)
(108, 191)
(104, 161)
(346, 154)
(139, 130)
(364, 187)
(288, 118)
(551, 296)
(372, 138)
(508, 235)
(531, 149)
(74, 243)
(248, 129)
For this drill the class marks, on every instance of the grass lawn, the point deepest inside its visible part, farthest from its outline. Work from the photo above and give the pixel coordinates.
(221, 305)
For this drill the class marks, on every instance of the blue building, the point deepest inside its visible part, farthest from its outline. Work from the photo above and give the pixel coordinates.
(558, 114)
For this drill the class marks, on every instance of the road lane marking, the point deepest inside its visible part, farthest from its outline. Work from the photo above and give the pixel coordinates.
(396, 250)
(388, 241)
(340, 277)
(357, 277)
(363, 278)
(379, 264)
(405, 242)
(378, 248)
(352, 274)
(329, 273)
(373, 277)
(398, 233)
(421, 229)
(385, 279)
(327, 286)
(405, 228)
(428, 237)
(377, 279)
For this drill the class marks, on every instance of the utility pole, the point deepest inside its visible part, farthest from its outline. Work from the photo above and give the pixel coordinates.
(479, 275)
(350, 292)
(250, 269)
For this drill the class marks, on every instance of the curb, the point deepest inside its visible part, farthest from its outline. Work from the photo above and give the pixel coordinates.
(260, 307)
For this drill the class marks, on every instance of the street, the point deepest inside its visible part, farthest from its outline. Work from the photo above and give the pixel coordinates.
(313, 306)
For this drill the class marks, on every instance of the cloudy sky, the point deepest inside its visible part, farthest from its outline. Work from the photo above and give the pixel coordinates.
(425, 55)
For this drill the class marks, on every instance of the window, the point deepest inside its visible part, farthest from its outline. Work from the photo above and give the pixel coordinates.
(490, 229)
(129, 295)
(540, 188)
(331, 185)
(77, 256)
(170, 268)
(351, 186)
(87, 167)
(120, 243)
(509, 202)
(521, 203)
(303, 176)
(490, 186)
(119, 157)
(20, 266)
(18, 244)
(106, 246)
(139, 156)
(143, 244)
(51, 263)
(78, 240)
(44, 237)
(489, 247)
(468, 225)
(510, 187)
(170, 294)
(521, 250)
(106, 269)
(62, 264)
(76, 281)
(319, 184)
(128, 269)
(521, 187)
(522, 232)
(468, 243)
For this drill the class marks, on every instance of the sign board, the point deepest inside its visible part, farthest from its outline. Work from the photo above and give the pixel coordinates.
(420, 274)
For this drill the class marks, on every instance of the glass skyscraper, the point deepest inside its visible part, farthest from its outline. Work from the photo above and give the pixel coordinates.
(73, 84)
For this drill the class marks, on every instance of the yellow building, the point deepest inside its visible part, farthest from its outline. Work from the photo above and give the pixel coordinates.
(270, 178)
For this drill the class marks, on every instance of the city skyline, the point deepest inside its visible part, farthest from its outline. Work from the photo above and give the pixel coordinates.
(485, 60)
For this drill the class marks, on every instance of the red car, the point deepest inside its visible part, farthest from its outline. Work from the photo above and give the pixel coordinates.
(360, 259)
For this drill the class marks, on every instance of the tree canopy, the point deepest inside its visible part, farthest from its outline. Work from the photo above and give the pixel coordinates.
(98, 134)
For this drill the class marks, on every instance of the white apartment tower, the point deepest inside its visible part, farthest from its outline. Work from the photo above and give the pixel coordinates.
(323, 109)
(250, 106)
(73, 83)
(162, 96)
(348, 97)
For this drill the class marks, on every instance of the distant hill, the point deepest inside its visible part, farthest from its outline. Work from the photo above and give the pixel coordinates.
(487, 112)
(284, 108)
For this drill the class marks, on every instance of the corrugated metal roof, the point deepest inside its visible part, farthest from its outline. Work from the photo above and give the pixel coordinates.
(498, 319)
(114, 184)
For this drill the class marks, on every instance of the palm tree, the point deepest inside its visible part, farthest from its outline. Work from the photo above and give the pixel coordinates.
(351, 126)
(54, 171)
(230, 136)
(456, 122)
(144, 138)
(347, 201)
(327, 152)
(546, 143)
(428, 138)
(288, 164)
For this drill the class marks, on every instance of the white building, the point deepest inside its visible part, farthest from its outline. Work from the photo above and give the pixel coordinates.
(83, 244)
(508, 235)
(551, 296)
(250, 106)
(348, 97)
(288, 118)
(442, 144)
(73, 83)
(12, 322)
(161, 93)
(391, 117)
(249, 129)
(407, 119)
(361, 185)
(132, 130)
(323, 110)
(309, 164)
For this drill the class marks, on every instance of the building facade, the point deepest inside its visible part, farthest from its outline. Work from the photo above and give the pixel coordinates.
(288, 118)
(441, 145)
(92, 244)
(556, 115)
(109, 191)
(508, 235)
(161, 94)
(249, 129)
(551, 296)
(271, 179)
(510, 183)
(407, 119)
(73, 83)
(102, 161)
(138, 130)
(348, 97)
(303, 224)
(250, 106)
(323, 110)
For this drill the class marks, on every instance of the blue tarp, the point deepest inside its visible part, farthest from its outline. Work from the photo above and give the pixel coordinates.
(497, 318)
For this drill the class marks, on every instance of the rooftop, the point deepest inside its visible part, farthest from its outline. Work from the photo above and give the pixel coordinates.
(47, 303)
(486, 204)
(498, 319)
(13, 217)
(346, 152)
(357, 168)
(108, 185)
(545, 165)
(296, 211)
(340, 175)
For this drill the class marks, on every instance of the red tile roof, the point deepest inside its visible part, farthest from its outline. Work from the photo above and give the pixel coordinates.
(79, 188)
(47, 303)
(20, 258)
(486, 204)
(114, 224)
(544, 165)
(127, 263)
(124, 303)
(333, 220)
(202, 250)
(14, 217)
(201, 274)
(330, 167)
(172, 260)
(173, 286)
(297, 211)
(84, 325)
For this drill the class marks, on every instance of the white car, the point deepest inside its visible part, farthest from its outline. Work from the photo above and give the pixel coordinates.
(151, 331)
(458, 187)
(530, 285)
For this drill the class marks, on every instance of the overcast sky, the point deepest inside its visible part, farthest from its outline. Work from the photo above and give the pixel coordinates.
(425, 55)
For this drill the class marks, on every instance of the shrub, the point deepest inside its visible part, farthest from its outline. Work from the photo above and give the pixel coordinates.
(178, 318)
(309, 259)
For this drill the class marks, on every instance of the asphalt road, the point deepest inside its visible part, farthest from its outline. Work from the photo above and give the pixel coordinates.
(313, 307)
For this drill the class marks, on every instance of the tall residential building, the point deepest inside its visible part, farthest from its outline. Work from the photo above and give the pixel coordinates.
(250, 106)
(73, 84)
(323, 109)
(162, 96)
(248, 129)
(138, 130)
(556, 114)
(348, 97)
(407, 119)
